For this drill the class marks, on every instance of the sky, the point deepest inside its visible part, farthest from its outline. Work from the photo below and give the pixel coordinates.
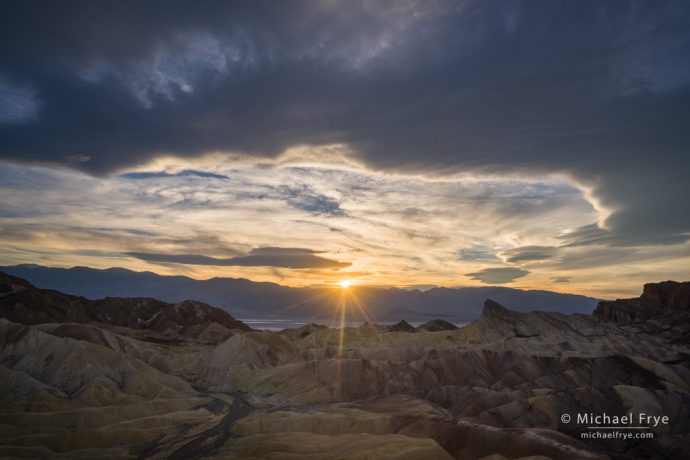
(537, 145)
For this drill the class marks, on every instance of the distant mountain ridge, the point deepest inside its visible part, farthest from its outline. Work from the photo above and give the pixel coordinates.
(248, 299)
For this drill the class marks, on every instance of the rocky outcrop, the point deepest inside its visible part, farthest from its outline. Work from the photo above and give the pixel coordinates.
(621, 311)
(656, 299)
(666, 296)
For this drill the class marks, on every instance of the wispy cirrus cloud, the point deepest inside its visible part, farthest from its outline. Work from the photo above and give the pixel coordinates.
(399, 229)
(305, 199)
(394, 229)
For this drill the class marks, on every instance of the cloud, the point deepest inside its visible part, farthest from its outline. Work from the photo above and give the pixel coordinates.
(561, 279)
(500, 275)
(477, 254)
(414, 87)
(307, 200)
(529, 253)
(296, 258)
(163, 175)
(18, 103)
(398, 230)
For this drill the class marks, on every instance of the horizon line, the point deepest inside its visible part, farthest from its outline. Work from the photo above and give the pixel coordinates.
(335, 285)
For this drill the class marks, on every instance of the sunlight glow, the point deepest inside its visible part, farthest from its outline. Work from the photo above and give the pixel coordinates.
(345, 284)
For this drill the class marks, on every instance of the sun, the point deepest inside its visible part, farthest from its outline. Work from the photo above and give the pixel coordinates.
(345, 284)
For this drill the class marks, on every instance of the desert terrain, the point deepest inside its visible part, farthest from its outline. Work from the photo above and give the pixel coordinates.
(141, 378)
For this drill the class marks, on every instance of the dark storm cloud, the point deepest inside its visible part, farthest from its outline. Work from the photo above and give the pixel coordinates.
(499, 275)
(597, 90)
(260, 257)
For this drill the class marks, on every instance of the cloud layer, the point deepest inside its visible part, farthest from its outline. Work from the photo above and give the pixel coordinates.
(240, 218)
(598, 91)
(297, 258)
(593, 96)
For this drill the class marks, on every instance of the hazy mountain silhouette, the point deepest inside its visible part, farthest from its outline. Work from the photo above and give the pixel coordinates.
(248, 299)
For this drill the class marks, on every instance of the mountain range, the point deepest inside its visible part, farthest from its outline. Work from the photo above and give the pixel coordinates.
(260, 300)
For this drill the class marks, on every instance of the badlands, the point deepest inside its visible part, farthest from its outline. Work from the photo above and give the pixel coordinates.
(140, 378)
